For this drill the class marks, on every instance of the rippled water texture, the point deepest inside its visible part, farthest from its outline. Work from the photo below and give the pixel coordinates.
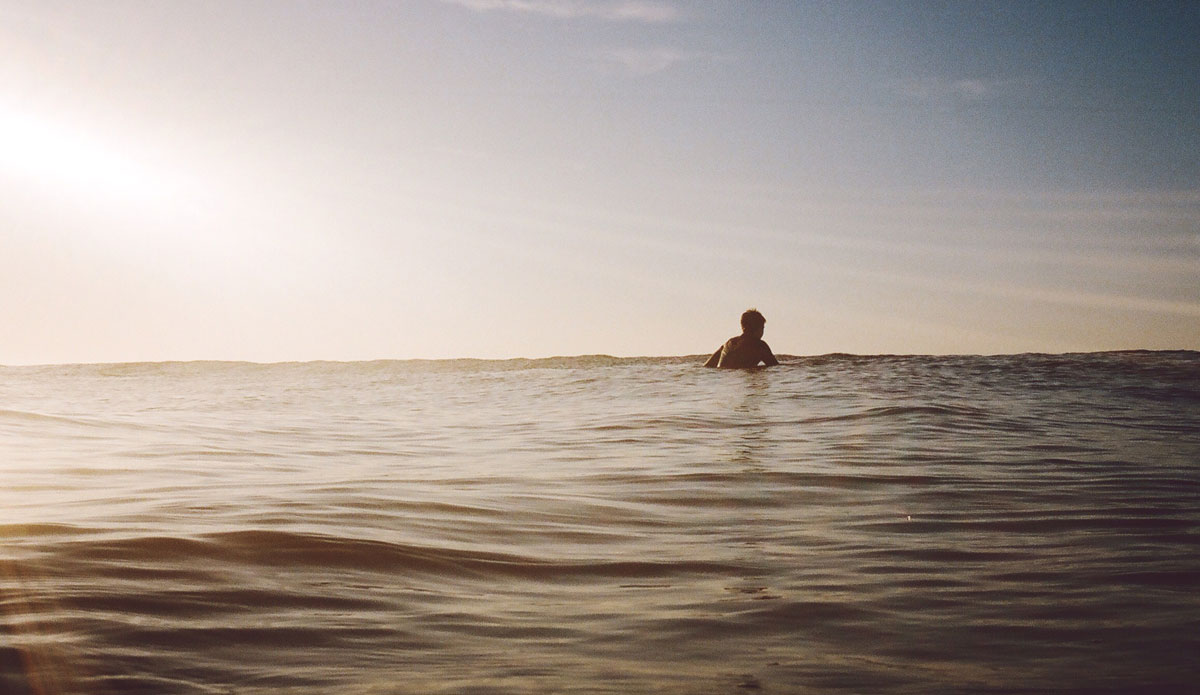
(836, 524)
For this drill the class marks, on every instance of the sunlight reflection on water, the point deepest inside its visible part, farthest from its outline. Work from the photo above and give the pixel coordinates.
(840, 523)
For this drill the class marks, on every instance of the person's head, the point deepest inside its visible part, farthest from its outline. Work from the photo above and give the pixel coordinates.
(753, 323)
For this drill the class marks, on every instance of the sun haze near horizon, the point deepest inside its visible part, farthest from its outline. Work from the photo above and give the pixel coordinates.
(493, 179)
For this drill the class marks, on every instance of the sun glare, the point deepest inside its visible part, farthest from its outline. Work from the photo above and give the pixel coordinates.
(64, 160)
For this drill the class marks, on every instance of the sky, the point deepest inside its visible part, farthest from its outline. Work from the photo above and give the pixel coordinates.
(308, 180)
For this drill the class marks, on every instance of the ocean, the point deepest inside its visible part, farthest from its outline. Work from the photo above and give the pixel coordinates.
(836, 524)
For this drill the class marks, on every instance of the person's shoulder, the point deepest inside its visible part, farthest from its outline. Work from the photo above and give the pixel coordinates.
(765, 354)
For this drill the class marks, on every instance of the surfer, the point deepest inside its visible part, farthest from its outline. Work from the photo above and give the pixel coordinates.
(747, 349)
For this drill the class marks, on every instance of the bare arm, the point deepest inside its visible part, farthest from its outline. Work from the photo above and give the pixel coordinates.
(716, 357)
(768, 357)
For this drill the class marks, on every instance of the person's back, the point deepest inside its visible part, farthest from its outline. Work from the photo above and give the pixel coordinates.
(745, 350)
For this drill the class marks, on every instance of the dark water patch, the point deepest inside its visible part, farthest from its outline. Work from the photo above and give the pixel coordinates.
(474, 625)
(786, 615)
(13, 678)
(1067, 522)
(1171, 579)
(956, 556)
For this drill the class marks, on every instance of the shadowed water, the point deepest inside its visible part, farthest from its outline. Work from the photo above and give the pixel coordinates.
(836, 524)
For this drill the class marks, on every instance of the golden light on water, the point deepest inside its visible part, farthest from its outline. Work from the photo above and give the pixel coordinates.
(45, 667)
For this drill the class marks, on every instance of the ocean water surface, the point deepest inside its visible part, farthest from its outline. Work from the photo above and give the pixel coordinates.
(837, 524)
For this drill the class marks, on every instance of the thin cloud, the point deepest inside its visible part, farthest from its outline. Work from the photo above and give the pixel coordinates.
(645, 11)
(646, 61)
(964, 90)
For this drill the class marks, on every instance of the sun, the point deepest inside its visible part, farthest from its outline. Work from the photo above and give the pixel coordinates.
(71, 163)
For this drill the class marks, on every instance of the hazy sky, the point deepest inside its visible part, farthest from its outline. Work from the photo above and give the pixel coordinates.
(498, 178)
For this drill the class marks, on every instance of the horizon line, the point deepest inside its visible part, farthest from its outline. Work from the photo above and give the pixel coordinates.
(622, 358)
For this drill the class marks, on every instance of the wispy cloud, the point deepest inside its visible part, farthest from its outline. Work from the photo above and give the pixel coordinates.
(962, 90)
(646, 11)
(645, 61)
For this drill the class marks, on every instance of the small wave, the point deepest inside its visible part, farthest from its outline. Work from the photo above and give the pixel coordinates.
(29, 416)
(261, 548)
(760, 619)
(901, 411)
